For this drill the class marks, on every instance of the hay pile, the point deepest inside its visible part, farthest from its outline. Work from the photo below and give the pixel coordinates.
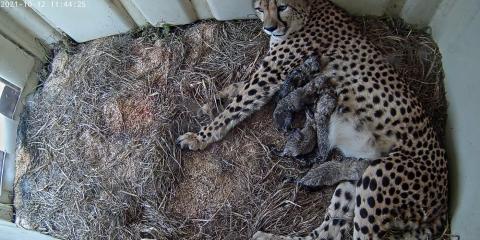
(97, 158)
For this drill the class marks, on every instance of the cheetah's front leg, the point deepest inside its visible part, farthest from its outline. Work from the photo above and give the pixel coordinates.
(226, 93)
(255, 94)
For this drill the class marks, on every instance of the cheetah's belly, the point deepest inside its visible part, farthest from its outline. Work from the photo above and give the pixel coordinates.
(355, 139)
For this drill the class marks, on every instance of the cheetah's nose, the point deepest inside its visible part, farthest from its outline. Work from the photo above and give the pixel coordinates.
(270, 29)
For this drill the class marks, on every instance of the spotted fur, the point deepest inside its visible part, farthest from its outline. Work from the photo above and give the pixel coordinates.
(376, 117)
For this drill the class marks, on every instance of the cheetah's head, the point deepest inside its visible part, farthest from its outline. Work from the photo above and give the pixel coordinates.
(281, 17)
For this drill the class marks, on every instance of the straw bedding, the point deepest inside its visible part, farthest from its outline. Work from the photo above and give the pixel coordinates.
(97, 159)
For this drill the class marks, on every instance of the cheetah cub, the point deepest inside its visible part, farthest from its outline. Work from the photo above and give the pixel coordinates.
(376, 118)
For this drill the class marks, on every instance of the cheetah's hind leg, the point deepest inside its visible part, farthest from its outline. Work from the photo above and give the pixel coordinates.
(337, 224)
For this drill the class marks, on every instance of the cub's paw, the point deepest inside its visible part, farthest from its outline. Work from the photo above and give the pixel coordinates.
(191, 141)
(263, 236)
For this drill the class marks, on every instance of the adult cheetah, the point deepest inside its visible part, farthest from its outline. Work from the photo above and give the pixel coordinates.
(376, 118)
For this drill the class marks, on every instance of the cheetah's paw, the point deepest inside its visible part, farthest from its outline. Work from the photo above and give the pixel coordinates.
(191, 141)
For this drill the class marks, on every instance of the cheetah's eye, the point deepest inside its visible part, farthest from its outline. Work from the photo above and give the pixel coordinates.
(259, 9)
(282, 8)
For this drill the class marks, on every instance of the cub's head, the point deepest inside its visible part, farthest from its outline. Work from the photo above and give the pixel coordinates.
(281, 17)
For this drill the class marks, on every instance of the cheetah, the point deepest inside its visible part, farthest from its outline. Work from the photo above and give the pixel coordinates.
(376, 118)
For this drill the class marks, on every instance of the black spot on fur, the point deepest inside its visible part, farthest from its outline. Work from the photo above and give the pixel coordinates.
(371, 202)
(363, 213)
(238, 98)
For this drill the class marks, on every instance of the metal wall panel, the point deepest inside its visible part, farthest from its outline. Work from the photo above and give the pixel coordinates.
(133, 11)
(93, 19)
(19, 35)
(11, 231)
(29, 20)
(231, 9)
(8, 127)
(456, 28)
(419, 12)
(202, 9)
(7, 145)
(15, 64)
(89, 19)
(158, 12)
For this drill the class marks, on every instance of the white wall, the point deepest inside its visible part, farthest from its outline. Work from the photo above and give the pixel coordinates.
(8, 132)
(15, 64)
(11, 232)
(456, 28)
(18, 34)
(419, 12)
(84, 20)
(15, 67)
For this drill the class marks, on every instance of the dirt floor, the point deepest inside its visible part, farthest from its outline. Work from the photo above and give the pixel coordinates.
(97, 158)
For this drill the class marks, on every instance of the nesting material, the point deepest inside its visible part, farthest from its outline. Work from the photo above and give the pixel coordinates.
(97, 159)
